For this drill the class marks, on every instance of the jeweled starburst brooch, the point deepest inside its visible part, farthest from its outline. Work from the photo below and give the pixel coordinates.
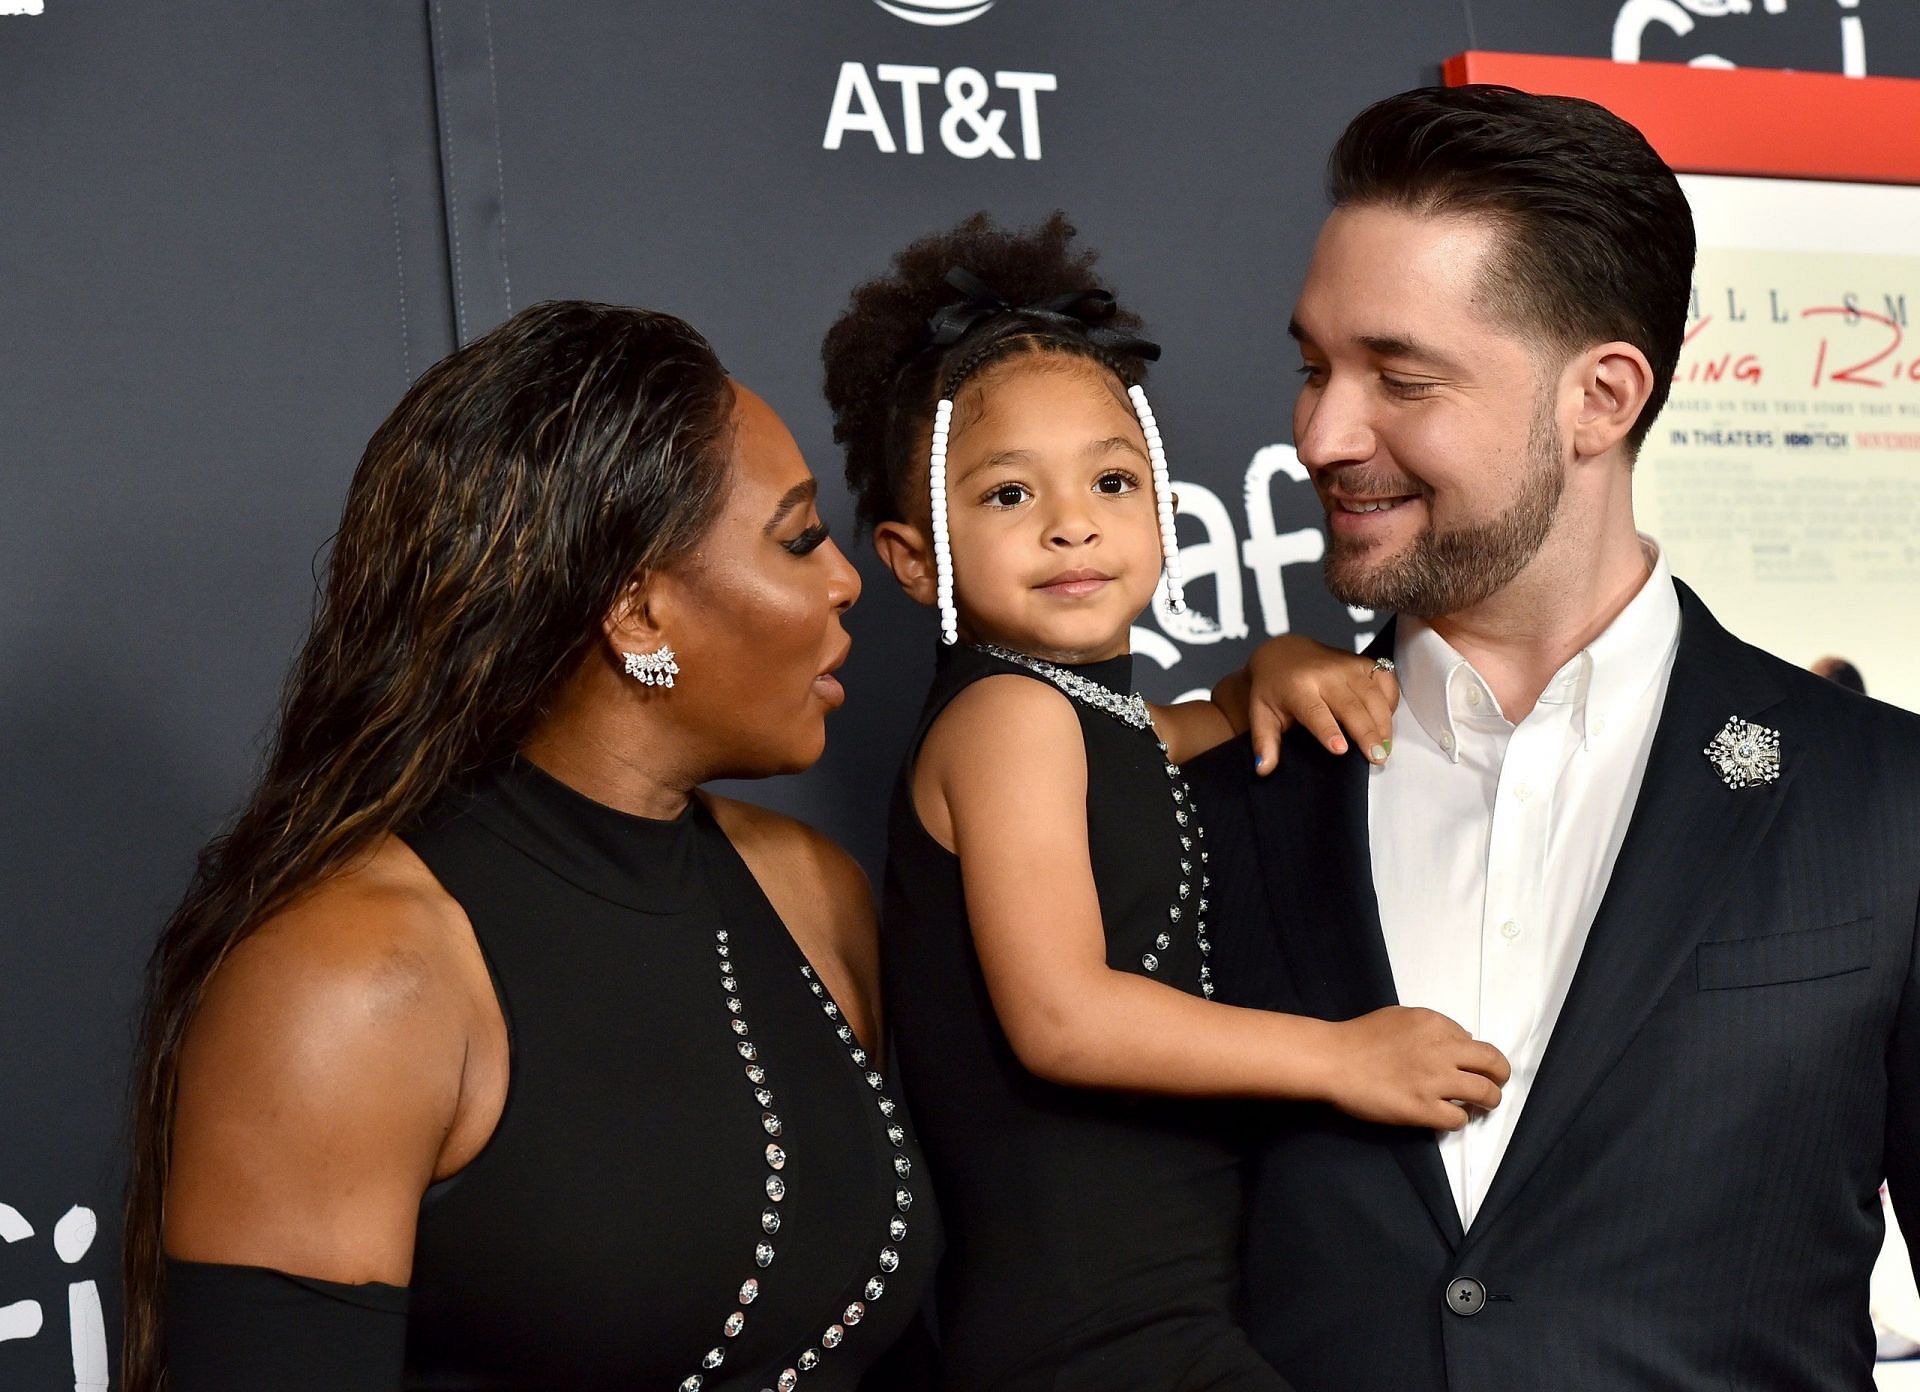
(1744, 754)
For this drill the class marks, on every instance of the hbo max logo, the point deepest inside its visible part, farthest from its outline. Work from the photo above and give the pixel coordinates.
(971, 123)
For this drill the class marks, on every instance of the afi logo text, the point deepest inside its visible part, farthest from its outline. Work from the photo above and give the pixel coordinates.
(968, 126)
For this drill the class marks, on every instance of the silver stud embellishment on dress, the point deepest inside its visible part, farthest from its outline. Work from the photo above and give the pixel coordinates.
(771, 1123)
(763, 1255)
(776, 1188)
(1745, 755)
(788, 1380)
(749, 1292)
(903, 1199)
(1129, 710)
(902, 1166)
(833, 1336)
(853, 1314)
(715, 1357)
(769, 1222)
(735, 1323)
(889, 1260)
(809, 1360)
(1149, 961)
(693, 1384)
(876, 1288)
(896, 1228)
(776, 1157)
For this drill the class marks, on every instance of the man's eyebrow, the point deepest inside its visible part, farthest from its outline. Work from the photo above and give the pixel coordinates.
(1396, 346)
(791, 499)
(1295, 332)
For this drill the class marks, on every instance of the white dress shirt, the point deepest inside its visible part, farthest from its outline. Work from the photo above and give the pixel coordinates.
(1492, 843)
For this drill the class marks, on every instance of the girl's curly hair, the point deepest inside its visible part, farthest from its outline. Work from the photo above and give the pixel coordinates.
(884, 373)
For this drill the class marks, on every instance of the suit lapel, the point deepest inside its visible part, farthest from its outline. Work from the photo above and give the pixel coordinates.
(1319, 881)
(1687, 839)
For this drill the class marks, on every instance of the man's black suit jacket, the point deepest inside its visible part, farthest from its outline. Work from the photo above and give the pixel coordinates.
(1690, 1199)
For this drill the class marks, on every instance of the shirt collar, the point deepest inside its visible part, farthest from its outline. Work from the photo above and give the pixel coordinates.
(1443, 693)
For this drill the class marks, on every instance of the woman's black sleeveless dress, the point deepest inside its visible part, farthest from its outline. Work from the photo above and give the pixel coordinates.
(1092, 1238)
(700, 1180)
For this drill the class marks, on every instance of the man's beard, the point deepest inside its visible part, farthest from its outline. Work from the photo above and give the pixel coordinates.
(1447, 572)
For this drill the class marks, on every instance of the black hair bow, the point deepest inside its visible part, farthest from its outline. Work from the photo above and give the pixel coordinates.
(1085, 312)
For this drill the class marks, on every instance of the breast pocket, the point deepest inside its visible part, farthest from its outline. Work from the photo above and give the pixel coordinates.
(1806, 955)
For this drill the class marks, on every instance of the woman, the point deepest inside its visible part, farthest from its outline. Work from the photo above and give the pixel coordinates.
(486, 1051)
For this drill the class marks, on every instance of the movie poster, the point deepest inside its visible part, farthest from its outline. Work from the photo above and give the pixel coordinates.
(1784, 475)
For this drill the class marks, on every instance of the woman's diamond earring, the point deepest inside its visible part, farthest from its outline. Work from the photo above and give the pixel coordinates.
(656, 668)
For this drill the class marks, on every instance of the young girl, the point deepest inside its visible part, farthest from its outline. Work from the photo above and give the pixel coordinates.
(1047, 933)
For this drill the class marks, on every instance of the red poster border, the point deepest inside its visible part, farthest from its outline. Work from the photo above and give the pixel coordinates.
(1765, 122)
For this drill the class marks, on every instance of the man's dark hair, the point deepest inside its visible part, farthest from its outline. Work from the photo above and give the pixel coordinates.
(1597, 236)
(1842, 673)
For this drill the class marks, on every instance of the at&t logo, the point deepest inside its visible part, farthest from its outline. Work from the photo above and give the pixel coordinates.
(936, 13)
(969, 127)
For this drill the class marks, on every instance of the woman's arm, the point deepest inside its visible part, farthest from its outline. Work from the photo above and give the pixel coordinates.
(1003, 773)
(337, 1064)
(1289, 680)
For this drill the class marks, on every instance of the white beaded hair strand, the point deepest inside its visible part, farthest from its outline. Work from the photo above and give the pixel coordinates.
(942, 547)
(1162, 499)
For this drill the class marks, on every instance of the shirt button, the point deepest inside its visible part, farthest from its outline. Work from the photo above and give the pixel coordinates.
(1473, 695)
(1509, 930)
(1466, 1296)
(1599, 725)
(1446, 743)
(1522, 791)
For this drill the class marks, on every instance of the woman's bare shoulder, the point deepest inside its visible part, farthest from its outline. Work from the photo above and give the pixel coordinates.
(820, 893)
(322, 1074)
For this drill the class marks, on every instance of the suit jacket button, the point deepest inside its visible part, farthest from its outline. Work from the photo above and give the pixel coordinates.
(1466, 1296)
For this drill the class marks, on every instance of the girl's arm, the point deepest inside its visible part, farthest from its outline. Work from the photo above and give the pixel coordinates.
(1289, 680)
(1002, 781)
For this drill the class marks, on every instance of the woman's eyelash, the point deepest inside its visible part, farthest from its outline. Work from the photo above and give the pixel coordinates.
(807, 540)
(993, 499)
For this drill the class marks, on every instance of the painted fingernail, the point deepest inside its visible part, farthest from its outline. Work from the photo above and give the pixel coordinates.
(1378, 753)
(1388, 746)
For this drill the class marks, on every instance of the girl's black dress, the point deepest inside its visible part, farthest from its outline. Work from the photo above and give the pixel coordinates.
(1092, 1238)
(701, 1179)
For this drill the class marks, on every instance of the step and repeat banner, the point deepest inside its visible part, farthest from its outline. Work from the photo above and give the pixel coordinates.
(235, 233)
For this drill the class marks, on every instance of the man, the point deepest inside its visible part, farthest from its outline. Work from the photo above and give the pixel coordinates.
(1674, 879)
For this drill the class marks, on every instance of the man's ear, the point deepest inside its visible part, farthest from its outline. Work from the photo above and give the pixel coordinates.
(636, 621)
(905, 551)
(1614, 380)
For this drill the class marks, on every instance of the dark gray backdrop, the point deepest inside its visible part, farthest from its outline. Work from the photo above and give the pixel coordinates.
(233, 233)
